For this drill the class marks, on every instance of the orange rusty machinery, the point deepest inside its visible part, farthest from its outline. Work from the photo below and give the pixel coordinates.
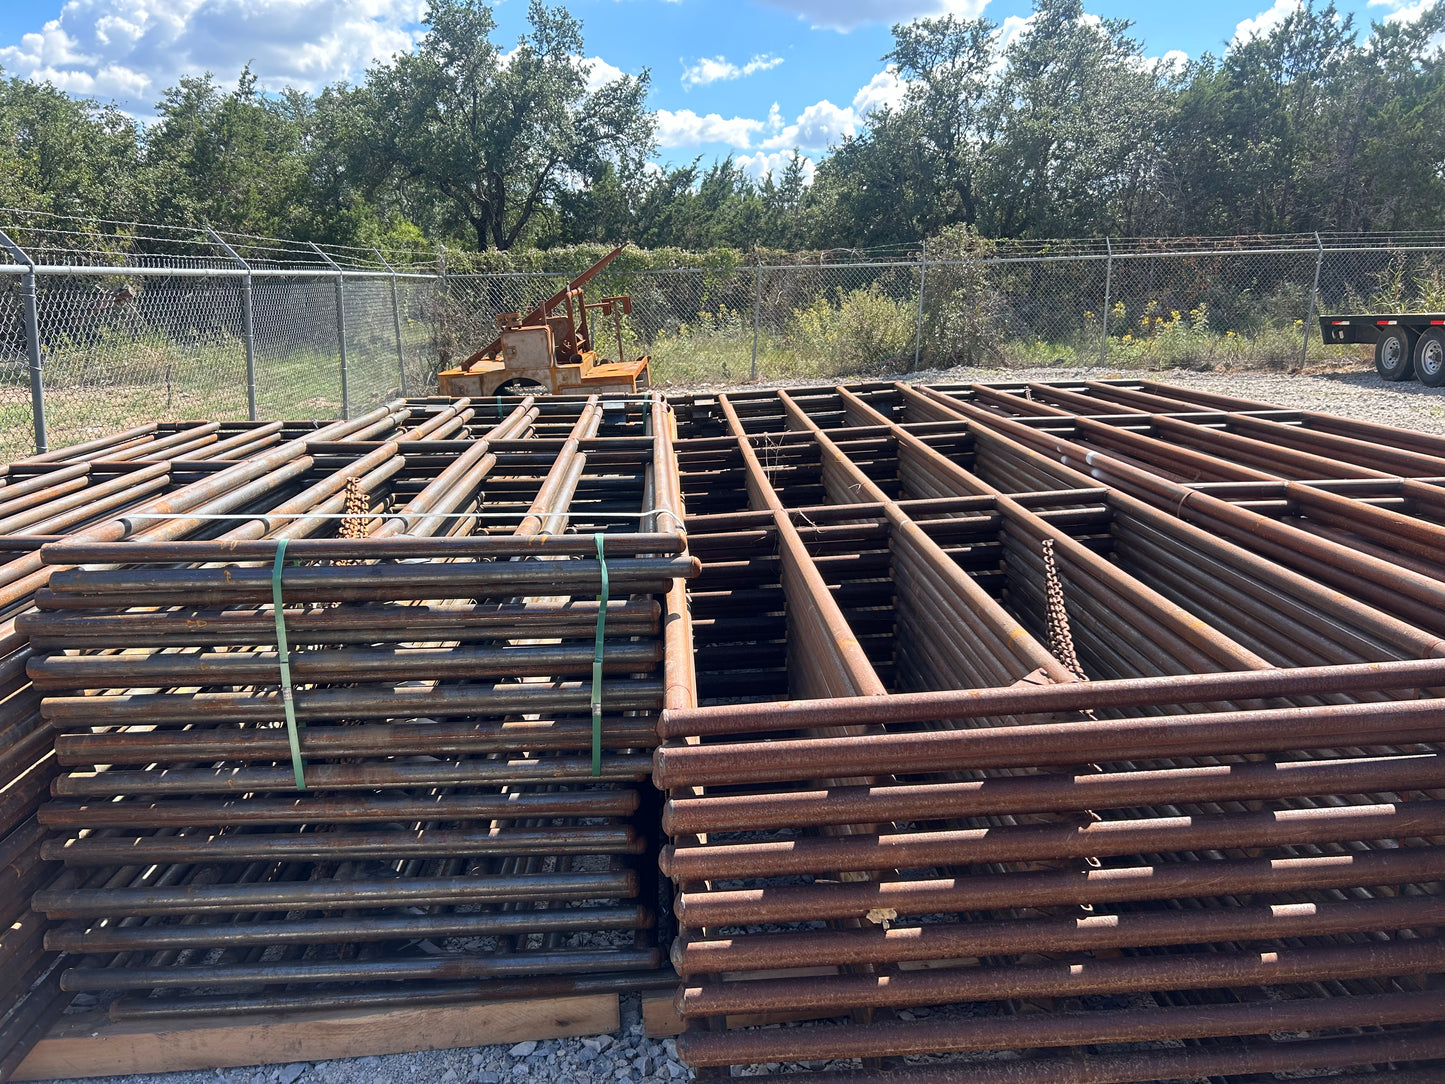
(551, 349)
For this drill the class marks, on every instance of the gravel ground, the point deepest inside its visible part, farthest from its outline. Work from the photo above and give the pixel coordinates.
(630, 1057)
(1350, 389)
(625, 1058)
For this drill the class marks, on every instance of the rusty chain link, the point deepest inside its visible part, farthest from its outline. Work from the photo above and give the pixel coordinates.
(1061, 640)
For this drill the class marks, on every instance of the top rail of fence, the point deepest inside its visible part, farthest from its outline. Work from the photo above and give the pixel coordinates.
(60, 245)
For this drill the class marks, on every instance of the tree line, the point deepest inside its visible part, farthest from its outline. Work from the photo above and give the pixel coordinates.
(1065, 130)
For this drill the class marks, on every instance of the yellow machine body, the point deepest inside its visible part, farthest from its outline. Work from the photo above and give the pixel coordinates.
(550, 349)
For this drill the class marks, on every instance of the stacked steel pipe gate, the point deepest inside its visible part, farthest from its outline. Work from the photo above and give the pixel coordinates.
(1075, 732)
(363, 718)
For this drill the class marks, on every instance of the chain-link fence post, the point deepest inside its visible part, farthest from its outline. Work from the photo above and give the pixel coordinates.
(396, 321)
(1104, 316)
(757, 313)
(247, 325)
(1304, 350)
(918, 326)
(340, 327)
(32, 341)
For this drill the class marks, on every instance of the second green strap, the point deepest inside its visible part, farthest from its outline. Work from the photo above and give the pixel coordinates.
(288, 701)
(597, 660)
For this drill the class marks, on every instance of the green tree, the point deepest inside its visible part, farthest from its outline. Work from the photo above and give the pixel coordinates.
(68, 156)
(1387, 155)
(499, 137)
(946, 63)
(235, 160)
(873, 189)
(915, 168)
(1073, 131)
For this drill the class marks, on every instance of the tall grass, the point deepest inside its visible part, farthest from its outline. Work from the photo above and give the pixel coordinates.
(850, 333)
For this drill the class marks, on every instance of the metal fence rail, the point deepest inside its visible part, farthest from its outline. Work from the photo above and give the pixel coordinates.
(98, 331)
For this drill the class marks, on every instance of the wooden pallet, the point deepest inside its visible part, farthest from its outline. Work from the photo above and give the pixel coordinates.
(87, 1046)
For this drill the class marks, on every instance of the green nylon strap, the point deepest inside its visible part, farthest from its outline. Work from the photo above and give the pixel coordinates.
(597, 661)
(284, 652)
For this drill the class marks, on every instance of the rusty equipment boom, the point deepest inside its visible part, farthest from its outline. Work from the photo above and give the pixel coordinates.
(547, 350)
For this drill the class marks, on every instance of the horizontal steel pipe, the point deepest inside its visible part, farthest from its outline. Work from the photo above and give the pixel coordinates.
(389, 582)
(288, 896)
(1053, 793)
(962, 940)
(350, 665)
(1150, 974)
(418, 623)
(618, 544)
(392, 995)
(1089, 740)
(1060, 1029)
(1090, 696)
(407, 702)
(615, 768)
(697, 909)
(318, 931)
(314, 809)
(362, 740)
(1035, 842)
(341, 846)
(502, 965)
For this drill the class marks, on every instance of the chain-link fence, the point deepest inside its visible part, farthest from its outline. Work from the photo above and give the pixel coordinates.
(107, 329)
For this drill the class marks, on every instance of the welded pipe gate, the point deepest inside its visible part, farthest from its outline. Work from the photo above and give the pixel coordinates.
(1075, 732)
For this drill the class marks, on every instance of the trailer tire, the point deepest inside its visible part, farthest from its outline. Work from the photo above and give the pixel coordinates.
(1394, 354)
(1430, 358)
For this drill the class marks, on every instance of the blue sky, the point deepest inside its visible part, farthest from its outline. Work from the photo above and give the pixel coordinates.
(749, 77)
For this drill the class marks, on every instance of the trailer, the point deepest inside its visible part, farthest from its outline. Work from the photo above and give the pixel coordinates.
(1407, 344)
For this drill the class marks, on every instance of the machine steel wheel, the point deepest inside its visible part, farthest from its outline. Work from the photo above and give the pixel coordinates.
(1393, 354)
(521, 387)
(1430, 358)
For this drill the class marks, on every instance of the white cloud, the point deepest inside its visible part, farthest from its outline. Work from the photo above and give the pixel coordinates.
(1401, 12)
(844, 15)
(1009, 31)
(1174, 62)
(823, 125)
(817, 128)
(1011, 28)
(599, 72)
(763, 164)
(134, 49)
(884, 89)
(718, 69)
(1265, 21)
(684, 128)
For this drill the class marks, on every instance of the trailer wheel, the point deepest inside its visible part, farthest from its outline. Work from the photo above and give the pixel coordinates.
(1394, 351)
(1430, 358)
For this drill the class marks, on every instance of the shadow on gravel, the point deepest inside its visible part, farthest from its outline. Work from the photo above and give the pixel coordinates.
(1371, 379)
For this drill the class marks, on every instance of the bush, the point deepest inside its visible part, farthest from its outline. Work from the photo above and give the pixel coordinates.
(864, 330)
(963, 309)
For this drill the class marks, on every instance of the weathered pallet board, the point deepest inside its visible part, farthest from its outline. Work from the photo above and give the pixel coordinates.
(87, 1047)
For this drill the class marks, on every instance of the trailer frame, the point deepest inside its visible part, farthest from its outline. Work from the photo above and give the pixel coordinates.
(1408, 345)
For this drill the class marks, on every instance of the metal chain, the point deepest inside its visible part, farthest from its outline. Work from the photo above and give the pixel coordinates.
(356, 514)
(354, 525)
(1061, 640)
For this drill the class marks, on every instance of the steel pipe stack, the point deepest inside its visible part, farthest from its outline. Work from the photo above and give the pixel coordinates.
(1075, 732)
(456, 837)
(113, 487)
(1119, 796)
